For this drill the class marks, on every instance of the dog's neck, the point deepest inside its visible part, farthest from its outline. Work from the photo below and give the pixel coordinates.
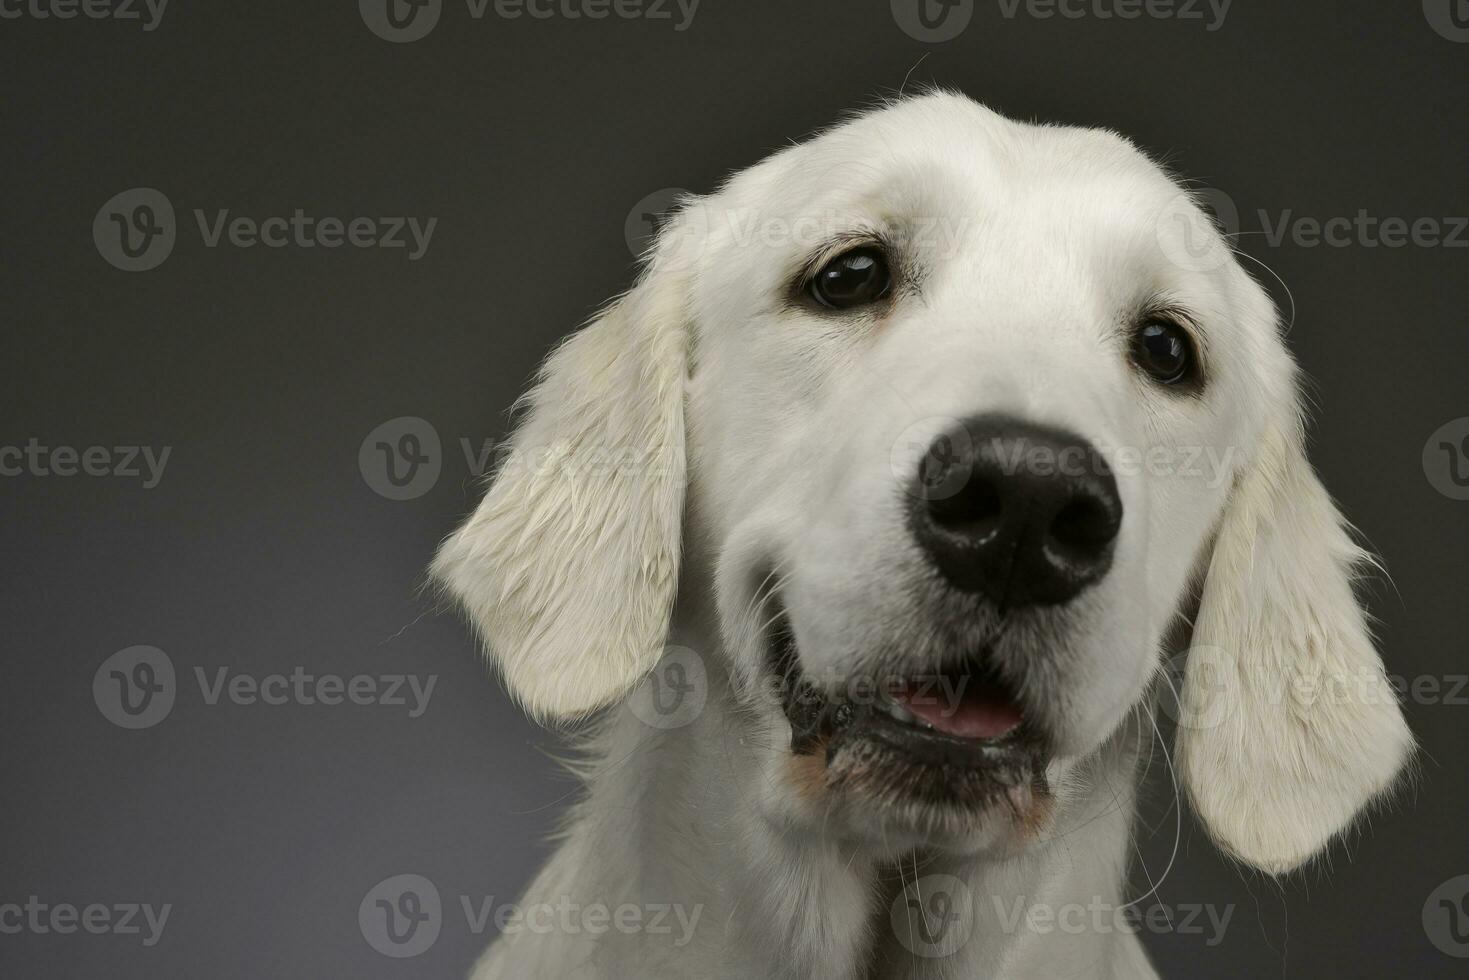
(683, 826)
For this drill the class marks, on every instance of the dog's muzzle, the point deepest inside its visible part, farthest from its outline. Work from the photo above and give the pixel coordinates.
(1012, 517)
(954, 738)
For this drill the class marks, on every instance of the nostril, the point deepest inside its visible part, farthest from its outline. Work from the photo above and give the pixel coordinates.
(974, 513)
(1082, 529)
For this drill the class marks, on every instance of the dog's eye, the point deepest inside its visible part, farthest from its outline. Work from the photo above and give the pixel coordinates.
(1165, 351)
(853, 278)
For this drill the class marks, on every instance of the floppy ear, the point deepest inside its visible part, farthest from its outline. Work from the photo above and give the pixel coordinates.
(1288, 724)
(568, 567)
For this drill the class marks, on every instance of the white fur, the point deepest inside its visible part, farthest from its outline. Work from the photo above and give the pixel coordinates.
(1301, 725)
(768, 432)
(569, 565)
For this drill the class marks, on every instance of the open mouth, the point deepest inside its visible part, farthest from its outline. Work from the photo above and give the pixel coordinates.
(954, 737)
(964, 704)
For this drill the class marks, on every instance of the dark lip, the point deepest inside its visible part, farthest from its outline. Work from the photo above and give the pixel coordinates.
(865, 748)
(1010, 752)
(893, 764)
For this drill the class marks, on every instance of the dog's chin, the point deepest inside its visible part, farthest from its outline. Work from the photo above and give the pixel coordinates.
(945, 759)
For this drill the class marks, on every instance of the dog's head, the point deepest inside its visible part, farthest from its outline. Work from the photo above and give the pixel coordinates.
(967, 421)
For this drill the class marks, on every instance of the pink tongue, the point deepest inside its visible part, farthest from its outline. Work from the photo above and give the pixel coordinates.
(975, 716)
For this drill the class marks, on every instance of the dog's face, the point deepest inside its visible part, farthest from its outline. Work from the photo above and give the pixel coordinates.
(968, 413)
(970, 429)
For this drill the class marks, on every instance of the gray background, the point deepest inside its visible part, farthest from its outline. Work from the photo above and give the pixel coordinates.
(264, 548)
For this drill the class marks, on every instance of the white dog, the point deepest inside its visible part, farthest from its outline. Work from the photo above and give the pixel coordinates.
(913, 456)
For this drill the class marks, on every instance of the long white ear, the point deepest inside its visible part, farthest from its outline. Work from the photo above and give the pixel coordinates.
(568, 568)
(1288, 724)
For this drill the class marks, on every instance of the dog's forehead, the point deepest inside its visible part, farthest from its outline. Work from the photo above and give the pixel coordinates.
(943, 151)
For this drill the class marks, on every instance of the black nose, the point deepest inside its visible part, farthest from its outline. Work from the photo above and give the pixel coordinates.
(1026, 515)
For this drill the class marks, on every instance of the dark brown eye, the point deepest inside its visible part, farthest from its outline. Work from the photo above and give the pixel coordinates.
(853, 278)
(1165, 351)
